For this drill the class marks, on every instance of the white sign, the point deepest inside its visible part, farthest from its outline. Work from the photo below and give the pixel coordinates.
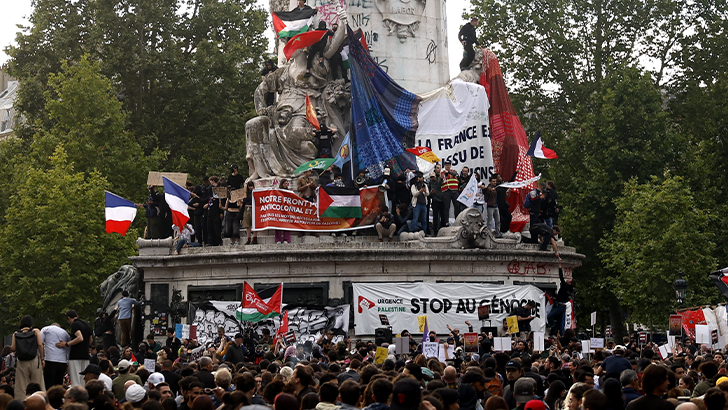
(443, 303)
(702, 335)
(149, 365)
(441, 353)
(502, 344)
(197, 354)
(401, 345)
(430, 349)
(454, 123)
(586, 346)
(663, 352)
(538, 341)
(593, 318)
(596, 343)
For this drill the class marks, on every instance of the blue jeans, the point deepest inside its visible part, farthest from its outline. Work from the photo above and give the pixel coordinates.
(556, 316)
(182, 242)
(419, 216)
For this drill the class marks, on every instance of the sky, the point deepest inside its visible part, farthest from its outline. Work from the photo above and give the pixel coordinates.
(17, 12)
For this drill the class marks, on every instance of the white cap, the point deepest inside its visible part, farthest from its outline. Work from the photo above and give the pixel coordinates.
(155, 378)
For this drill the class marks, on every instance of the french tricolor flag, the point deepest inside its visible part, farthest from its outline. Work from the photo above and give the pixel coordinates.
(177, 198)
(537, 150)
(119, 212)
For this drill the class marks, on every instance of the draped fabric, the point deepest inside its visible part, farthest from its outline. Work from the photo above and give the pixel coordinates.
(384, 115)
(690, 318)
(510, 145)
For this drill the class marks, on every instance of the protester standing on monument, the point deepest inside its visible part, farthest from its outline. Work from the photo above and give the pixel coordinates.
(232, 220)
(437, 201)
(307, 186)
(281, 235)
(317, 48)
(450, 191)
(467, 38)
(493, 213)
(214, 216)
(248, 213)
(504, 210)
(420, 192)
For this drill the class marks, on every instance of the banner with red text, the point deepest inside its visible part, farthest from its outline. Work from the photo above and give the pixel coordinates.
(284, 210)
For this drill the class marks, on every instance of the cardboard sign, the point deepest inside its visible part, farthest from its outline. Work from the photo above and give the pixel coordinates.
(596, 343)
(237, 195)
(470, 342)
(149, 365)
(154, 178)
(512, 324)
(381, 355)
(430, 349)
(675, 325)
(538, 341)
(219, 192)
(401, 345)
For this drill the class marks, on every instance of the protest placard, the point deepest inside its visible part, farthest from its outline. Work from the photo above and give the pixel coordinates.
(538, 341)
(512, 324)
(381, 355)
(470, 342)
(154, 178)
(430, 349)
(149, 365)
(237, 195)
(219, 192)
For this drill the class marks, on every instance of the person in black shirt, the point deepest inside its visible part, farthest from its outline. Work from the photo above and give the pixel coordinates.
(468, 37)
(385, 225)
(78, 357)
(317, 48)
(173, 343)
(323, 139)
(503, 207)
(235, 180)
(525, 318)
(214, 219)
(555, 319)
(270, 66)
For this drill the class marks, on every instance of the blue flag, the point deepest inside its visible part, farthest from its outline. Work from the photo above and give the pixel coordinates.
(384, 115)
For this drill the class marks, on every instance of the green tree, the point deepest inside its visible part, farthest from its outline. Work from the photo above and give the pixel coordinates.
(621, 133)
(660, 229)
(55, 250)
(185, 72)
(89, 122)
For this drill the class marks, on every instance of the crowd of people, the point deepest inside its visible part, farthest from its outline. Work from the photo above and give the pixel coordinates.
(415, 202)
(51, 368)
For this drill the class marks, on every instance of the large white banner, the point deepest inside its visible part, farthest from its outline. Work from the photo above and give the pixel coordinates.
(443, 303)
(454, 123)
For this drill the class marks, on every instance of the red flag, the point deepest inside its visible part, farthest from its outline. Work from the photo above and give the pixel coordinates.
(311, 114)
(690, 318)
(283, 328)
(360, 35)
(253, 301)
(303, 40)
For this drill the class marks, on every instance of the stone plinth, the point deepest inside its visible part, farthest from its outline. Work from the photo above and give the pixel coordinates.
(339, 261)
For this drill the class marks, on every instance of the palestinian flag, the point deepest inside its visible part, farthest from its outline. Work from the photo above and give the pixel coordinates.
(336, 202)
(290, 23)
(256, 307)
(303, 40)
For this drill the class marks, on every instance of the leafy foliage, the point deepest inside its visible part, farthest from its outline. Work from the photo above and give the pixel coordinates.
(54, 245)
(659, 229)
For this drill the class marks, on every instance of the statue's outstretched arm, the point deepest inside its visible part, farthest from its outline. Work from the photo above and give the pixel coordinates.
(339, 36)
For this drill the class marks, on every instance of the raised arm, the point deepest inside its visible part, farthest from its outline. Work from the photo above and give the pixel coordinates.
(338, 38)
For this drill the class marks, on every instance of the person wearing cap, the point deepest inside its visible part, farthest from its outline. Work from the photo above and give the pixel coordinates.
(524, 390)
(478, 381)
(513, 373)
(117, 386)
(93, 371)
(420, 192)
(154, 379)
(236, 351)
(136, 395)
(613, 365)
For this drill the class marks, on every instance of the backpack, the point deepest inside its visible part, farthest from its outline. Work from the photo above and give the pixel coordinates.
(26, 345)
(494, 387)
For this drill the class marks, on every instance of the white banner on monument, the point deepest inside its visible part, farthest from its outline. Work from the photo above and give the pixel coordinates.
(443, 303)
(454, 123)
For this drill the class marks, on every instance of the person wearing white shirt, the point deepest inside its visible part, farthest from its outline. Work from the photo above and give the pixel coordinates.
(56, 357)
